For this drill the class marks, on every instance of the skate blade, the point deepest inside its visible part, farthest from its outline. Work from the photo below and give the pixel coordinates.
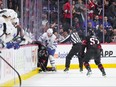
(81, 71)
(66, 71)
(104, 76)
(89, 74)
(54, 71)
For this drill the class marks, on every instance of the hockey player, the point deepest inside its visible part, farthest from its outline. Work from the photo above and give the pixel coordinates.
(76, 41)
(93, 49)
(21, 34)
(15, 22)
(49, 40)
(3, 31)
(18, 32)
(42, 56)
(8, 29)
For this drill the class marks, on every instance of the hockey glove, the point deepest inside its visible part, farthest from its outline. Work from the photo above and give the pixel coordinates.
(9, 45)
(16, 46)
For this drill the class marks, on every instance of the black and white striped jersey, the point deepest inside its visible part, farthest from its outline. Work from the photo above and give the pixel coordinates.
(73, 37)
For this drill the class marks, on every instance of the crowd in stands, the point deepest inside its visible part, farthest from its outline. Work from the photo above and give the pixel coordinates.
(15, 5)
(85, 14)
(92, 11)
(1, 4)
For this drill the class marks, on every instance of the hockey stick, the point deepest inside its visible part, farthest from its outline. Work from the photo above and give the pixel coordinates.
(13, 69)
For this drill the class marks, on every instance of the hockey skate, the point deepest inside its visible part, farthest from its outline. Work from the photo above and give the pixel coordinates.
(89, 73)
(54, 69)
(66, 69)
(40, 70)
(103, 73)
(51, 69)
(81, 70)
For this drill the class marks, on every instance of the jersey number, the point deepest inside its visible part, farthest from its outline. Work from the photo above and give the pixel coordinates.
(94, 41)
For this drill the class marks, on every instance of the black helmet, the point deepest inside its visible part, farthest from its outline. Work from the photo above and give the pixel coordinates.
(90, 32)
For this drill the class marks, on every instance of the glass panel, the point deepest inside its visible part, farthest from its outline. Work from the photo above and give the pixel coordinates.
(32, 11)
(67, 15)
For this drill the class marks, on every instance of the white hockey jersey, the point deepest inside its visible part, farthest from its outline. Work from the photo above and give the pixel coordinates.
(9, 29)
(50, 42)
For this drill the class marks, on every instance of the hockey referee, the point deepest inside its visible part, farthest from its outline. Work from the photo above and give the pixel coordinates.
(75, 50)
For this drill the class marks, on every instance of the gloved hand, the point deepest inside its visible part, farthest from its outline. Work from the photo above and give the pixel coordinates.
(16, 45)
(9, 45)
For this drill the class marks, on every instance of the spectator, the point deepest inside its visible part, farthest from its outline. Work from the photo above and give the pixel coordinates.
(97, 22)
(80, 11)
(99, 33)
(44, 22)
(107, 24)
(91, 8)
(112, 13)
(76, 24)
(88, 20)
(58, 36)
(90, 26)
(11, 4)
(106, 6)
(67, 12)
(1, 4)
(114, 36)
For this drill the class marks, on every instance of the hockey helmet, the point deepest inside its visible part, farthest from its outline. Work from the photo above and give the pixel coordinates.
(15, 21)
(13, 14)
(50, 31)
(7, 14)
(10, 13)
(2, 12)
(90, 32)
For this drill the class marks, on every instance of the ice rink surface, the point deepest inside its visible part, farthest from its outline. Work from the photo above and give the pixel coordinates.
(72, 78)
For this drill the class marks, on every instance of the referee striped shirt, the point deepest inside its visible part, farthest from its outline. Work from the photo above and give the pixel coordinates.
(73, 37)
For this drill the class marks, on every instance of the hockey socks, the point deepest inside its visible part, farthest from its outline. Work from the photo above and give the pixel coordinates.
(100, 66)
(87, 66)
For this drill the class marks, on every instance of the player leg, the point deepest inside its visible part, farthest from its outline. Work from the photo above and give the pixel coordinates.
(51, 58)
(87, 66)
(100, 66)
(41, 65)
(87, 57)
(52, 62)
(80, 59)
(72, 52)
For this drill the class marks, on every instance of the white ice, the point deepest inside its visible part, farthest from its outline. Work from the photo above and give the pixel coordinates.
(72, 78)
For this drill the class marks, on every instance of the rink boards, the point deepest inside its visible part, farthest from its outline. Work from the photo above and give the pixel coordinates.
(108, 56)
(24, 60)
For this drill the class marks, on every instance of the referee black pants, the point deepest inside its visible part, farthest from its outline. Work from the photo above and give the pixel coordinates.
(74, 51)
